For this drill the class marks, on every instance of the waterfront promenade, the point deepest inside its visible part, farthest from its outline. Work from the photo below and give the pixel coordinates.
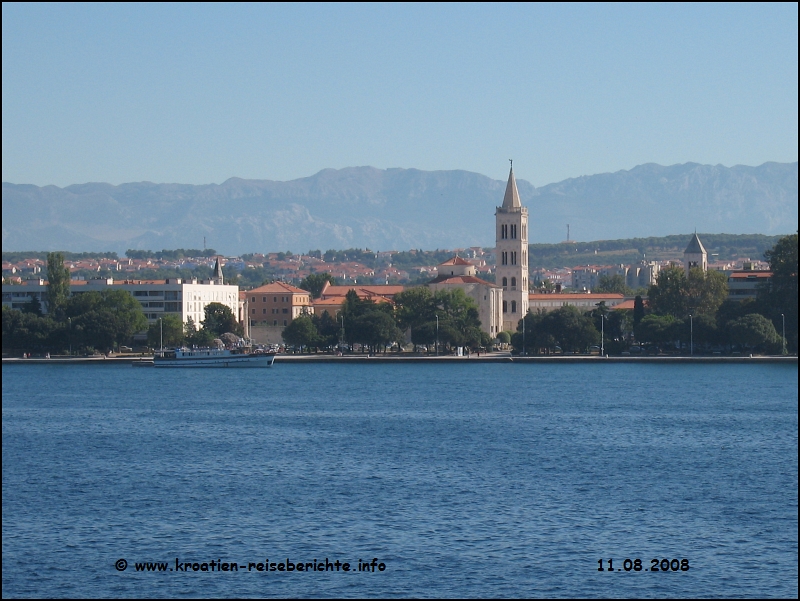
(501, 357)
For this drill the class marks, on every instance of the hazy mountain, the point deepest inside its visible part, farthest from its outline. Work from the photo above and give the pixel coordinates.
(396, 209)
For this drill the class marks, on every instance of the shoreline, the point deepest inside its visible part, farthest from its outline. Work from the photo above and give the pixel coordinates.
(491, 358)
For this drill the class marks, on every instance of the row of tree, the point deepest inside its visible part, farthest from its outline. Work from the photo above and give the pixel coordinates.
(447, 317)
(684, 311)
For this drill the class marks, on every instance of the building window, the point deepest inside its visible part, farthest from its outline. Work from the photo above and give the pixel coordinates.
(285, 311)
(505, 306)
(275, 322)
(513, 283)
(264, 311)
(504, 258)
(513, 231)
(505, 282)
(263, 299)
(514, 257)
(513, 306)
(253, 311)
(275, 300)
(253, 299)
(504, 231)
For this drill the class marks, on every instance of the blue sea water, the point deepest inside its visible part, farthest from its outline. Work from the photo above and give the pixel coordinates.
(479, 480)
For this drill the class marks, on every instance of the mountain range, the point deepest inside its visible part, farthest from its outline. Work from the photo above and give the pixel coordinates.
(396, 209)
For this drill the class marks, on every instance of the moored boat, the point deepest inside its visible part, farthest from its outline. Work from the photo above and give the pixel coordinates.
(211, 357)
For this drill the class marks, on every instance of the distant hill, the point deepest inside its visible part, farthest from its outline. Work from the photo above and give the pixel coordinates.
(396, 209)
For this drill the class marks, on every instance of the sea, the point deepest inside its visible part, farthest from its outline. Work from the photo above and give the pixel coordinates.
(427, 480)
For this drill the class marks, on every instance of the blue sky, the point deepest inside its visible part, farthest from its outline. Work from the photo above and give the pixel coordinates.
(200, 93)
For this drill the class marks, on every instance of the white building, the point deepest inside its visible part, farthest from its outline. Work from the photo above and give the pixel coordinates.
(185, 298)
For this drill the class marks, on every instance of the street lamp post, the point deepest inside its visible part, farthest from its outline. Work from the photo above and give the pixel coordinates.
(523, 336)
(783, 336)
(161, 331)
(69, 321)
(691, 335)
(437, 335)
(602, 335)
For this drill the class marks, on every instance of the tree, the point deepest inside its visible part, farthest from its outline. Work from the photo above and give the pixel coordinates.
(656, 329)
(29, 332)
(195, 337)
(301, 332)
(375, 328)
(327, 328)
(675, 294)
(755, 331)
(571, 330)
(705, 291)
(33, 306)
(106, 319)
(414, 308)
(781, 296)
(612, 284)
(638, 310)
(537, 336)
(219, 319)
(172, 328)
(315, 282)
(504, 337)
(58, 277)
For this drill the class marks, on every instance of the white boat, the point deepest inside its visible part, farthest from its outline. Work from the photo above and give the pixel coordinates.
(209, 357)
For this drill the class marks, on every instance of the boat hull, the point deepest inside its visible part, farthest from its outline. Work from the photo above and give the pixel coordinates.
(232, 361)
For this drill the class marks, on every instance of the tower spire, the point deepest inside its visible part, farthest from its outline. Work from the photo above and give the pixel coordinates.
(511, 199)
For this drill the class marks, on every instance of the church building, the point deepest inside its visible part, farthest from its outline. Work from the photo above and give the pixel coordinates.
(695, 255)
(511, 251)
(458, 273)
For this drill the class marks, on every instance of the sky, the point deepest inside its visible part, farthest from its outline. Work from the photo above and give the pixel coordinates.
(197, 94)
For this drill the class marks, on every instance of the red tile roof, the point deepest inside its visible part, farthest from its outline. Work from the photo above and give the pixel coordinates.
(281, 287)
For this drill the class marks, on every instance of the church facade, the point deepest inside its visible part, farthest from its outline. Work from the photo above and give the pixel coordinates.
(511, 250)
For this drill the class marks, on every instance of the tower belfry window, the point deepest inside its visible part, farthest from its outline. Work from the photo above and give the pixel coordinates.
(513, 231)
(505, 282)
(513, 283)
(504, 257)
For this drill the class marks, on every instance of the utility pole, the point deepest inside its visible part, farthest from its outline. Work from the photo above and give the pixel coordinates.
(602, 335)
(691, 336)
(783, 322)
(437, 335)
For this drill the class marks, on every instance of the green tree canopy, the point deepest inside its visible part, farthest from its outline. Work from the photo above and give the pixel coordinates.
(301, 332)
(194, 337)
(612, 284)
(57, 284)
(173, 334)
(219, 319)
(674, 294)
(105, 319)
(566, 327)
(754, 331)
(781, 296)
(315, 282)
(657, 329)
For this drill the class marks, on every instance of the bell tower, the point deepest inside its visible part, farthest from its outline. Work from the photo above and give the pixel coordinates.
(511, 250)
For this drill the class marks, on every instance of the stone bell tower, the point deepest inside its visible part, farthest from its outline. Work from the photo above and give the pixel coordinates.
(511, 251)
